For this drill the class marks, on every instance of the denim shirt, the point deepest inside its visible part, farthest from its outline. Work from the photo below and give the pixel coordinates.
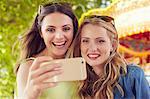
(134, 84)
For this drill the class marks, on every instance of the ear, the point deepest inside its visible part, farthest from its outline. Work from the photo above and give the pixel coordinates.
(112, 47)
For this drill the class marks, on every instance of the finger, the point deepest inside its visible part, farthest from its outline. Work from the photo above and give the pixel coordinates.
(47, 76)
(39, 60)
(46, 85)
(50, 63)
(43, 70)
(39, 87)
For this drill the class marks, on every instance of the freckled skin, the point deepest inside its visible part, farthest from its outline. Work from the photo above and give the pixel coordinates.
(95, 45)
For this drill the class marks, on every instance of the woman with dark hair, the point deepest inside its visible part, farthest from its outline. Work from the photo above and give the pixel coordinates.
(49, 38)
(108, 74)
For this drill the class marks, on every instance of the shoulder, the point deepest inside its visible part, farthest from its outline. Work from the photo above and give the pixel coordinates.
(23, 71)
(22, 75)
(25, 65)
(134, 82)
(137, 80)
(134, 71)
(134, 75)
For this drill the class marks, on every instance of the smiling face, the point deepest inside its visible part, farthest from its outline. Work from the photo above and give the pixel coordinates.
(57, 32)
(95, 45)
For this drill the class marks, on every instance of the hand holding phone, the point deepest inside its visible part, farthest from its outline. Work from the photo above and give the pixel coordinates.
(73, 69)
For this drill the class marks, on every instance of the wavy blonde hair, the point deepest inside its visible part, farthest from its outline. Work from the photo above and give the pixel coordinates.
(101, 86)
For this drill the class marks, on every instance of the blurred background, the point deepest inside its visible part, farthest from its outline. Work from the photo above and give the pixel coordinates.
(132, 19)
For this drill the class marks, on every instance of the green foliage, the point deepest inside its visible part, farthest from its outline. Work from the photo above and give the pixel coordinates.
(15, 18)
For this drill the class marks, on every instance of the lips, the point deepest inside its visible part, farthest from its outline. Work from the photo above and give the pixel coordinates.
(93, 55)
(59, 44)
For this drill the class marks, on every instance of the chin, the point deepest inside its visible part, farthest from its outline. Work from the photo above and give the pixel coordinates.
(60, 53)
(93, 63)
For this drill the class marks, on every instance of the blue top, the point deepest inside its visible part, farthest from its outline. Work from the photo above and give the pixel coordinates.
(134, 84)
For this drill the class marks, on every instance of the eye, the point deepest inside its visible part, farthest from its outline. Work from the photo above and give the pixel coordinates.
(65, 29)
(101, 41)
(84, 41)
(52, 30)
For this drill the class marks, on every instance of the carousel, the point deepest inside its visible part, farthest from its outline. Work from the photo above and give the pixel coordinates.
(132, 20)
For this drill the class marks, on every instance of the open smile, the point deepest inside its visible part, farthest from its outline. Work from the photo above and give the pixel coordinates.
(93, 56)
(59, 44)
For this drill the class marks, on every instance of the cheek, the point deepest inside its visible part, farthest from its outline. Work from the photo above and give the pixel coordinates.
(83, 54)
(69, 36)
(47, 38)
(83, 50)
(105, 51)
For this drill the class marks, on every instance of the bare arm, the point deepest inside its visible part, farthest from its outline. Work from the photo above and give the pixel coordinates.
(31, 76)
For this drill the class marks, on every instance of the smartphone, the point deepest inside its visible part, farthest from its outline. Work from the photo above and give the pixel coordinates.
(73, 69)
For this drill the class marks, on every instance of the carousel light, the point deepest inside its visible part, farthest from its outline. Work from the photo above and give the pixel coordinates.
(131, 19)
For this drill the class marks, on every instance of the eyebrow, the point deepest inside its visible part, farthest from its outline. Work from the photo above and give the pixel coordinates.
(62, 26)
(99, 37)
(50, 26)
(67, 25)
(89, 37)
(85, 37)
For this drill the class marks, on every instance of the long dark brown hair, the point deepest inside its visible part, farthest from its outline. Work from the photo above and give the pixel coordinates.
(31, 42)
(101, 86)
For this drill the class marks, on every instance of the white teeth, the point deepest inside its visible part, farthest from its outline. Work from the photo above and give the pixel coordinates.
(92, 56)
(59, 44)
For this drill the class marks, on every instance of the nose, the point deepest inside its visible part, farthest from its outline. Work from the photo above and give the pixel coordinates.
(59, 35)
(92, 47)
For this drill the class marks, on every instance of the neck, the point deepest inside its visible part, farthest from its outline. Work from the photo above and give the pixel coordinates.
(47, 53)
(98, 69)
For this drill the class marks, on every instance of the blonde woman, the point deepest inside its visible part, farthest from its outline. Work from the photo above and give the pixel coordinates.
(109, 76)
